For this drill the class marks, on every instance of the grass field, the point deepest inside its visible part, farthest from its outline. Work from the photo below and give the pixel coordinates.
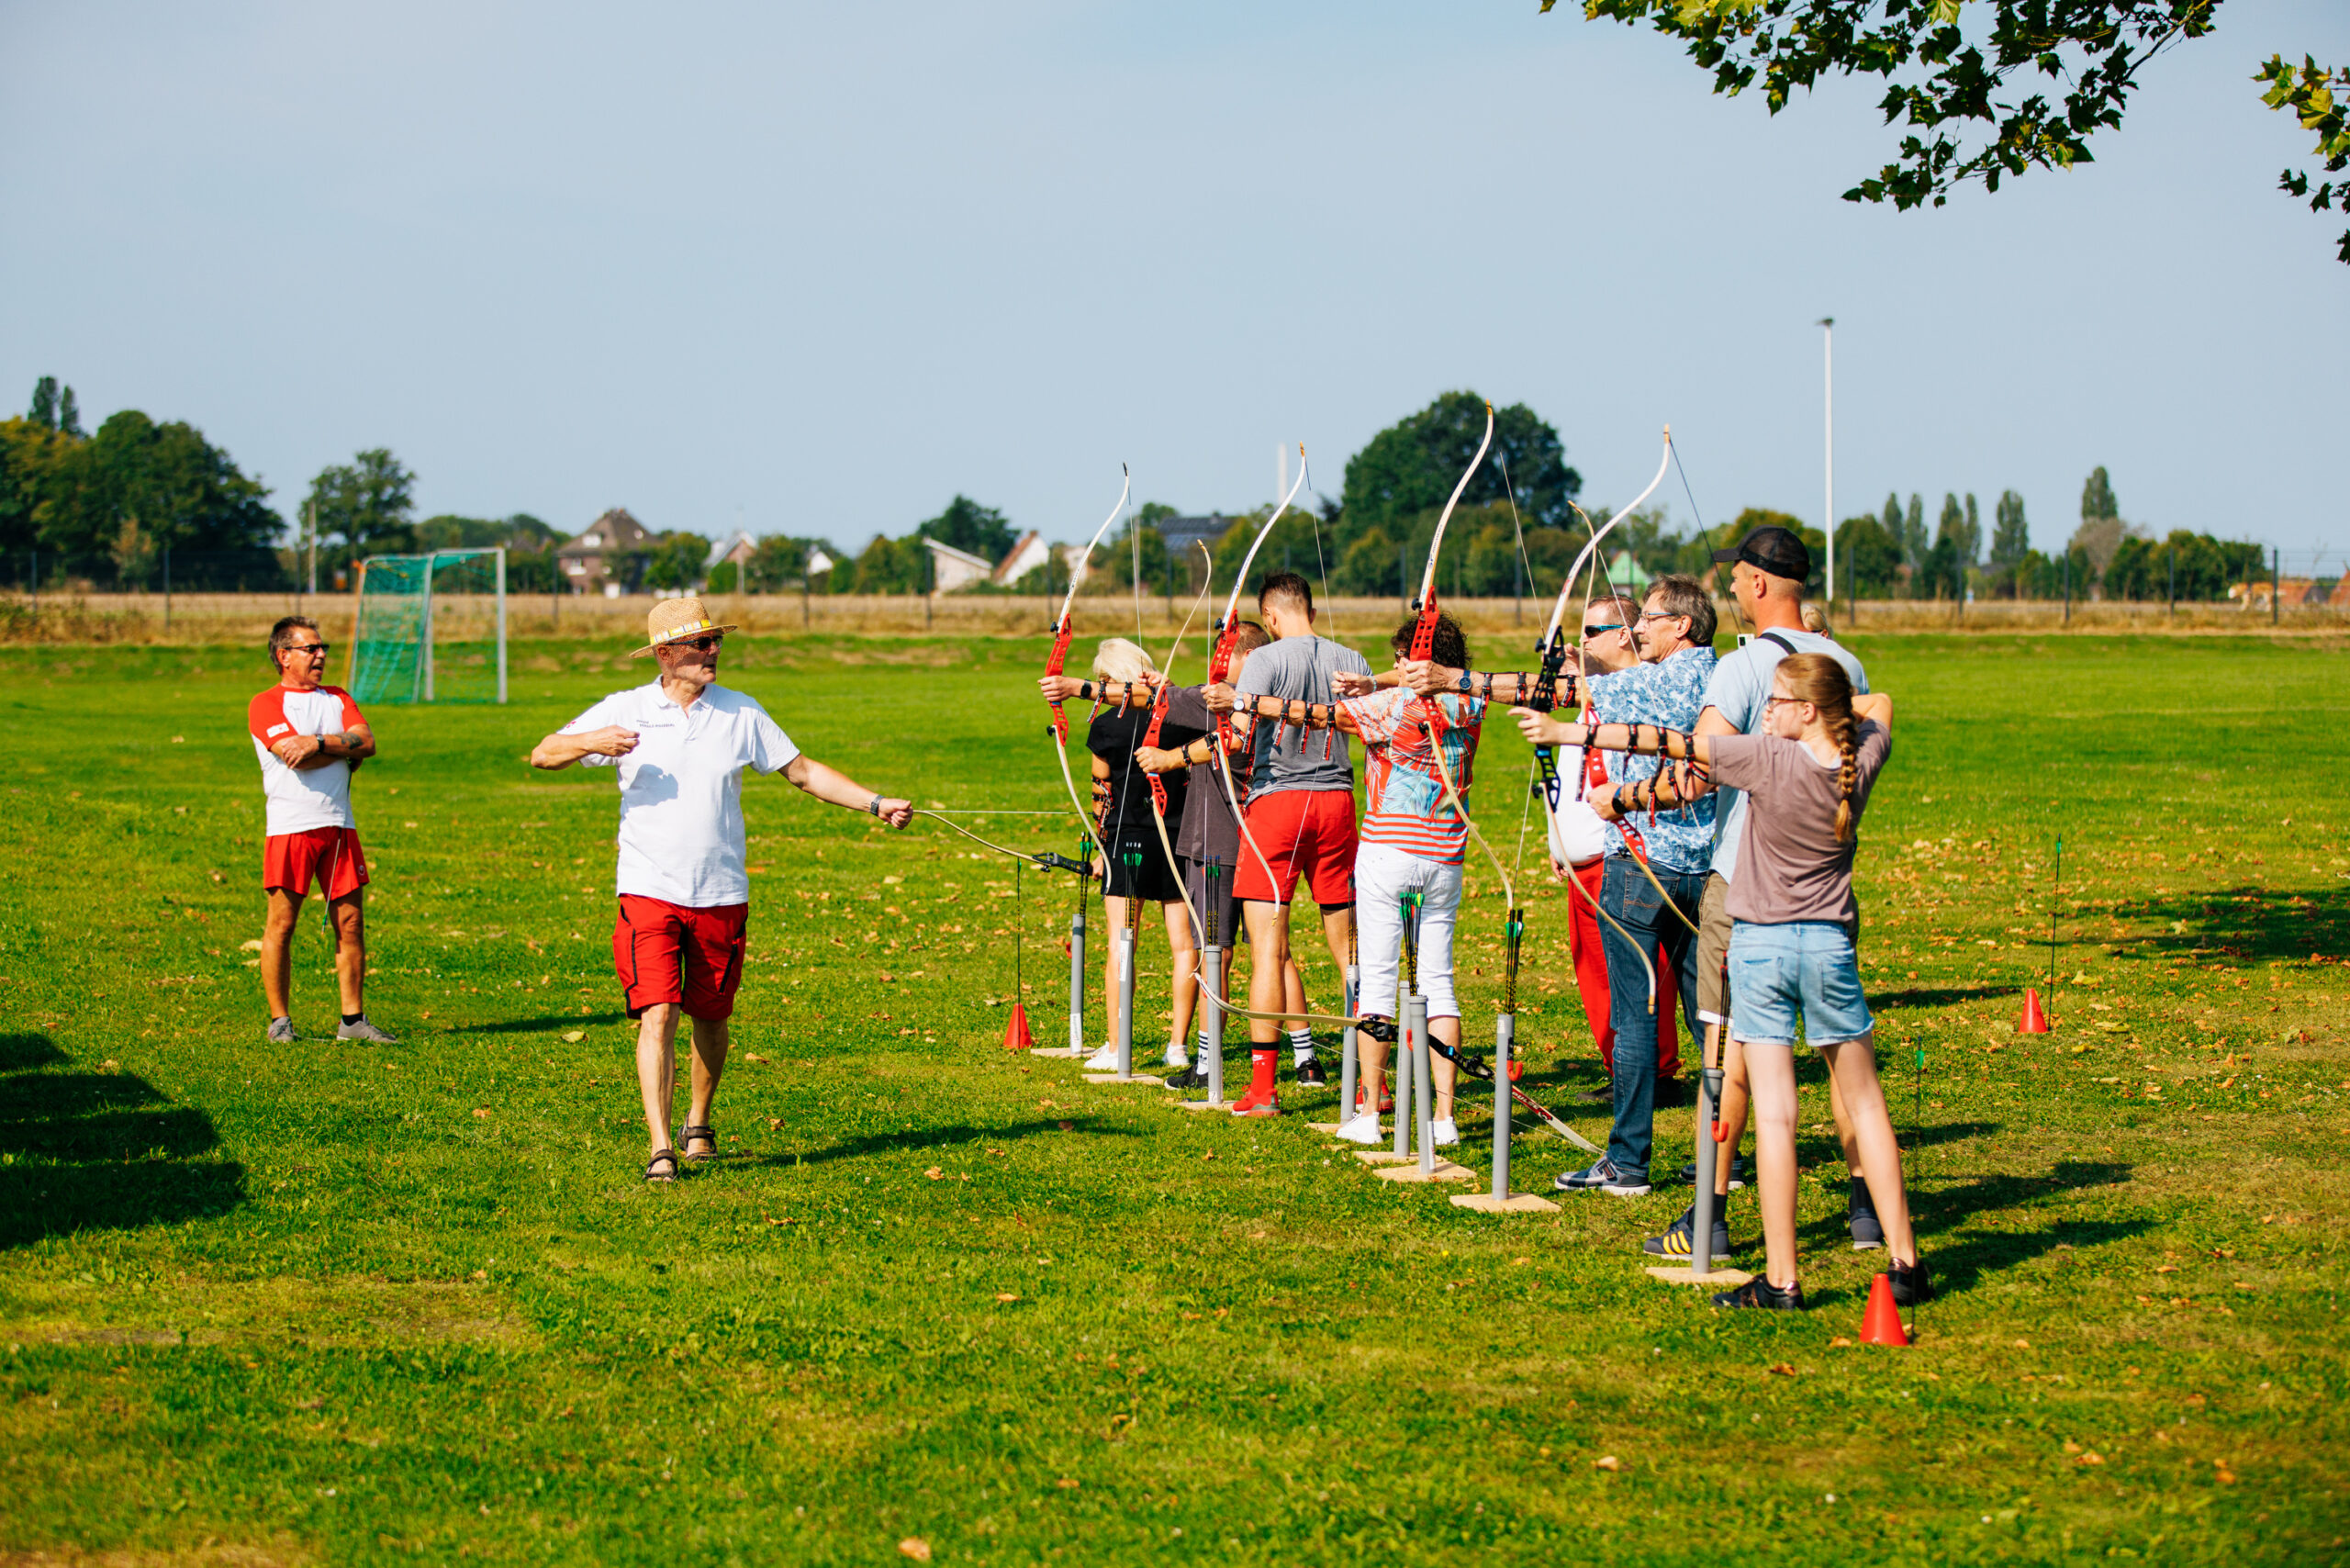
(394, 1305)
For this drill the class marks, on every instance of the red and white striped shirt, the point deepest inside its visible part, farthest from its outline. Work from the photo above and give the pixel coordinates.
(302, 799)
(1408, 808)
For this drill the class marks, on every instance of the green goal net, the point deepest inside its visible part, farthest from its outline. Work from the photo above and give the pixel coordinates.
(430, 629)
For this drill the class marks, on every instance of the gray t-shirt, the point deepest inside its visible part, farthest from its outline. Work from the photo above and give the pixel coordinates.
(1288, 757)
(1209, 832)
(1794, 868)
(1740, 684)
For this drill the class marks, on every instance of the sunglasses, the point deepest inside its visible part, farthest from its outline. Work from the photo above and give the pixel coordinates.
(318, 648)
(699, 644)
(1601, 631)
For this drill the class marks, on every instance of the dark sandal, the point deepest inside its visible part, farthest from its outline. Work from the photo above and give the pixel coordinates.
(700, 1135)
(662, 1157)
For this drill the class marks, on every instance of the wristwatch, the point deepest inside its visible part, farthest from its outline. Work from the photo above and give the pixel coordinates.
(874, 805)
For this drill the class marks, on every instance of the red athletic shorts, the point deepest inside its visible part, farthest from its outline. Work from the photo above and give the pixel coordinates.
(329, 855)
(668, 953)
(1300, 832)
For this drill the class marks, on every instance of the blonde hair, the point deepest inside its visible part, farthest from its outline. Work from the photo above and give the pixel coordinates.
(1815, 620)
(1818, 679)
(1118, 659)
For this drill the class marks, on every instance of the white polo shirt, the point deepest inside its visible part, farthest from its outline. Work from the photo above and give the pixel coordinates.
(299, 799)
(681, 790)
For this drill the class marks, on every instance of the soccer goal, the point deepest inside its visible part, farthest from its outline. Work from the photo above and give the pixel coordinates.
(430, 629)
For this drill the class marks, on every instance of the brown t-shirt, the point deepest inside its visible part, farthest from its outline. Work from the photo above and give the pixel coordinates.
(1790, 867)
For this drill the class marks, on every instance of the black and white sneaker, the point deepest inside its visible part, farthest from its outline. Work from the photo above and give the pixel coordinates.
(1738, 1172)
(1760, 1292)
(1681, 1239)
(1868, 1233)
(1909, 1283)
(1310, 1073)
(1189, 1078)
(1602, 1177)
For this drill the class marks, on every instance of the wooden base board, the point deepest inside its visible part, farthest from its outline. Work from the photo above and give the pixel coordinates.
(1382, 1156)
(1224, 1106)
(1516, 1204)
(1721, 1279)
(1130, 1078)
(1445, 1172)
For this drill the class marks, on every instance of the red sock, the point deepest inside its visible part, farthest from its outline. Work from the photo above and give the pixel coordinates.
(1261, 1068)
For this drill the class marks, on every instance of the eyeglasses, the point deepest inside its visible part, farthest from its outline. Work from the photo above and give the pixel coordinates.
(700, 645)
(318, 648)
(1590, 632)
(1661, 615)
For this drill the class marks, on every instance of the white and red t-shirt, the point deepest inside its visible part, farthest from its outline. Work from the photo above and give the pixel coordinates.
(300, 799)
(1406, 805)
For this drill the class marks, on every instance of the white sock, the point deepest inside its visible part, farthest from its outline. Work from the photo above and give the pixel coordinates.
(1301, 1047)
(1207, 1045)
(1175, 1056)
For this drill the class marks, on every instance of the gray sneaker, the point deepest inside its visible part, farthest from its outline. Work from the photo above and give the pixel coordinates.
(281, 1032)
(364, 1030)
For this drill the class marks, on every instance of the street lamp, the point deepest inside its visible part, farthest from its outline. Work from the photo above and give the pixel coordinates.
(1828, 344)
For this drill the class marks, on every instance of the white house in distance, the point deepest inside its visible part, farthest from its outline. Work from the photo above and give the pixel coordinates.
(951, 568)
(1028, 553)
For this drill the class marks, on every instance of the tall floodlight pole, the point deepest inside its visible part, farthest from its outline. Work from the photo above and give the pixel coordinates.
(1828, 347)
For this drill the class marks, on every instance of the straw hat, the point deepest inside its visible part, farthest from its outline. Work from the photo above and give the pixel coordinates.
(674, 619)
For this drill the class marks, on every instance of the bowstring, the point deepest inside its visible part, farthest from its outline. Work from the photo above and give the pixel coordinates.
(1526, 567)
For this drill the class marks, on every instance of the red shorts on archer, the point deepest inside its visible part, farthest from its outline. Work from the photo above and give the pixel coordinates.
(1308, 833)
(329, 856)
(668, 953)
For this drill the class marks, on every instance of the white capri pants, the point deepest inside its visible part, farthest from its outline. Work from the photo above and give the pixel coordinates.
(1382, 876)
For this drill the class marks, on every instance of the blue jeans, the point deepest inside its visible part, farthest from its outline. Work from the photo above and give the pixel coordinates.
(1632, 902)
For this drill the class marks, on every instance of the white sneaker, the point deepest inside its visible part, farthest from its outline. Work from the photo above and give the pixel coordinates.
(1106, 1059)
(1362, 1129)
(1444, 1134)
(1179, 1062)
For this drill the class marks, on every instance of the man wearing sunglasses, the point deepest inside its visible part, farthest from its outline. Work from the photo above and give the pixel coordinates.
(680, 744)
(309, 737)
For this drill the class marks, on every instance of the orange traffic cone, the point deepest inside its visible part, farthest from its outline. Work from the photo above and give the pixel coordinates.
(1881, 1324)
(1016, 1037)
(2034, 1022)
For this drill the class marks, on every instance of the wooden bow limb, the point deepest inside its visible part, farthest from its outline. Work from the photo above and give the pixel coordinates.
(1047, 858)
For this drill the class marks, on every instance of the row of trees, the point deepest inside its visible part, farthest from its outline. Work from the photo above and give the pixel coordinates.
(117, 505)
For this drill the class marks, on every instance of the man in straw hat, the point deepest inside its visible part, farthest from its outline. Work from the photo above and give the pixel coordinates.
(681, 743)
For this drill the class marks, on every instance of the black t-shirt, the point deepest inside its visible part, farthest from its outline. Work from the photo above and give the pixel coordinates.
(1113, 737)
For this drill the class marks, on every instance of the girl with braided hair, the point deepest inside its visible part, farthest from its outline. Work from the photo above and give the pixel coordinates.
(1791, 955)
(1793, 963)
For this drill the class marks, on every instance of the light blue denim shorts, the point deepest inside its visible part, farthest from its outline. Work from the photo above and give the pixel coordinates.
(1804, 970)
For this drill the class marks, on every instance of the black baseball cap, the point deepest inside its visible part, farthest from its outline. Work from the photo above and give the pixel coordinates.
(1771, 549)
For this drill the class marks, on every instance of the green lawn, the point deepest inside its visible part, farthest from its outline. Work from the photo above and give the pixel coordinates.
(391, 1305)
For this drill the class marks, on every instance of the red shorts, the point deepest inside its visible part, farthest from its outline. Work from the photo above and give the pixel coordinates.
(1307, 832)
(668, 953)
(330, 855)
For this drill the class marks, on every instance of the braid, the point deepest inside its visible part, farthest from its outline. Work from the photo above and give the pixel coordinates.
(1840, 730)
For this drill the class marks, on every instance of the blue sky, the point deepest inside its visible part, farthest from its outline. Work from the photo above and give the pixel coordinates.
(820, 268)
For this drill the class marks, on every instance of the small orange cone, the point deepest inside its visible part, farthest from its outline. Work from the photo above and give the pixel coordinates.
(1881, 1324)
(2034, 1021)
(1016, 1037)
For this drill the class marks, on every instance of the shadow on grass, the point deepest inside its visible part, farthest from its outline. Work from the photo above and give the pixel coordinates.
(2242, 921)
(540, 1026)
(933, 1138)
(115, 1152)
(1921, 996)
(1958, 1257)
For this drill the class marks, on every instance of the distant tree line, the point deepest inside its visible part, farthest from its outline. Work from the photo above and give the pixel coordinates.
(1891, 557)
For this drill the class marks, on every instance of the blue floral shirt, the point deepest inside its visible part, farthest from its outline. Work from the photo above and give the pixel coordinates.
(1670, 693)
